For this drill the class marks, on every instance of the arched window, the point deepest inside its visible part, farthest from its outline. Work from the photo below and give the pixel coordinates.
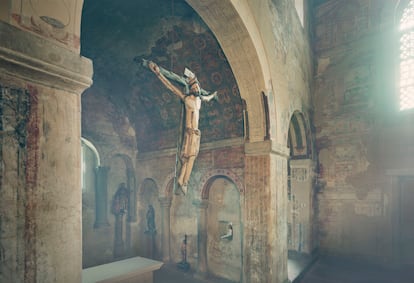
(406, 85)
(90, 161)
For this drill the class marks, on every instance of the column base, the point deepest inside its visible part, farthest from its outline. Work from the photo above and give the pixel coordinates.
(184, 266)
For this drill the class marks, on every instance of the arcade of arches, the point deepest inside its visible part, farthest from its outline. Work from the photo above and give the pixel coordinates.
(305, 152)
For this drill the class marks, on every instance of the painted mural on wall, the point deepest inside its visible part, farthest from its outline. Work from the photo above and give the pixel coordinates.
(51, 19)
(201, 53)
(15, 134)
(223, 230)
(160, 110)
(14, 108)
(175, 38)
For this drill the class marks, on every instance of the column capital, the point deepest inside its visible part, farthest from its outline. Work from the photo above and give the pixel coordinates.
(102, 169)
(32, 58)
(165, 201)
(265, 148)
(301, 163)
(202, 204)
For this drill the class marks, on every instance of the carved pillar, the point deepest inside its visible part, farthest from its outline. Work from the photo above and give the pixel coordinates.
(101, 197)
(165, 228)
(41, 198)
(201, 206)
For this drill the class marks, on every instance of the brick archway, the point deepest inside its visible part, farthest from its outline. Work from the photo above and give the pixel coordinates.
(210, 176)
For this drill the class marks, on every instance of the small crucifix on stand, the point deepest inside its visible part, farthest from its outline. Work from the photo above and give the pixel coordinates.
(183, 264)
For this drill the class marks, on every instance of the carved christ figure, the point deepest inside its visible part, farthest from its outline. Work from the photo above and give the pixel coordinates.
(192, 96)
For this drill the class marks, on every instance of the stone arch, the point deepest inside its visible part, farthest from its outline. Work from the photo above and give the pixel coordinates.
(130, 183)
(300, 194)
(149, 242)
(168, 185)
(126, 159)
(143, 186)
(299, 140)
(222, 209)
(211, 175)
(238, 35)
(92, 147)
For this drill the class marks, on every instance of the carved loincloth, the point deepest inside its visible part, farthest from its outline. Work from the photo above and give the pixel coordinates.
(191, 143)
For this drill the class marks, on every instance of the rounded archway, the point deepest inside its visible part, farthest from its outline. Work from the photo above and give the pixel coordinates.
(239, 38)
(223, 228)
(300, 214)
(149, 220)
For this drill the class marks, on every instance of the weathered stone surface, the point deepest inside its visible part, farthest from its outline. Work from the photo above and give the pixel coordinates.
(360, 134)
(42, 168)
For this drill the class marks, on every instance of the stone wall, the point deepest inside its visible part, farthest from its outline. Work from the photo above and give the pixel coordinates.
(15, 110)
(361, 135)
(223, 159)
(109, 130)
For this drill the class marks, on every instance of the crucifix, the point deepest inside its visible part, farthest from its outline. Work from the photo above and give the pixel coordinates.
(191, 95)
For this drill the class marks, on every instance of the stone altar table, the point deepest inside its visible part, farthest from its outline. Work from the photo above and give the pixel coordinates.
(136, 270)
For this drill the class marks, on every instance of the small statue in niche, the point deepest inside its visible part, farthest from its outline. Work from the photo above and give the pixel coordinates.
(119, 208)
(150, 220)
(229, 234)
(192, 95)
(120, 200)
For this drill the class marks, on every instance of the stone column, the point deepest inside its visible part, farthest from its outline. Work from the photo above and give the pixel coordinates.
(41, 195)
(165, 228)
(264, 216)
(201, 206)
(101, 197)
(301, 180)
(132, 214)
(119, 248)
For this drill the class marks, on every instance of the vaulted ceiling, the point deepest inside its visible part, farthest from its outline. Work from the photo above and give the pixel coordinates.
(114, 33)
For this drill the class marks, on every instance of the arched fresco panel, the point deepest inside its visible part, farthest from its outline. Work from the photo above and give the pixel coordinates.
(224, 253)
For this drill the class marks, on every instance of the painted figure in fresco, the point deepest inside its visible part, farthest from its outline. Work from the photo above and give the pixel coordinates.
(120, 200)
(150, 219)
(192, 95)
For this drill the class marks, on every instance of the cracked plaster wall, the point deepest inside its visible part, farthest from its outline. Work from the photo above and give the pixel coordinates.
(360, 135)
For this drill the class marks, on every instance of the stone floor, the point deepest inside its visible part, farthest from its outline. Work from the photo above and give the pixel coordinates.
(335, 270)
(297, 264)
(170, 274)
(325, 270)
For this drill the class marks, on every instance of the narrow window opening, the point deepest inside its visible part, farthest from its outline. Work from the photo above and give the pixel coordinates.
(406, 84)
(299, 10)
